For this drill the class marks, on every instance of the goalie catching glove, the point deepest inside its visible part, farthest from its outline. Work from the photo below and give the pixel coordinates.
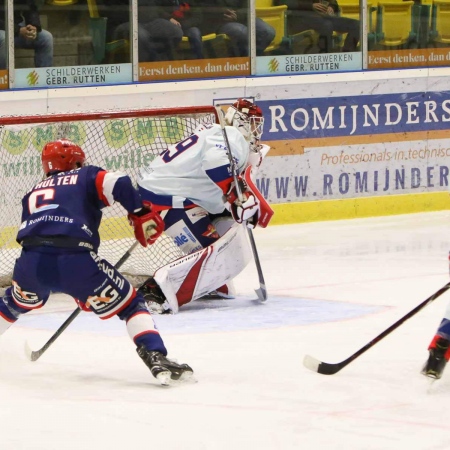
(148, 225)
(246, 210)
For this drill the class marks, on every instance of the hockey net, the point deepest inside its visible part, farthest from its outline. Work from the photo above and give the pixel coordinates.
(120, 140)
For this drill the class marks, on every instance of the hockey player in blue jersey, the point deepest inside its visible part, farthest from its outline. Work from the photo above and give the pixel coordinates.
(59, 237)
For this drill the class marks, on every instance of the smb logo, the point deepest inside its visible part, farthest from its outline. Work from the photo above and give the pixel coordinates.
(180, 240)
(32, 78)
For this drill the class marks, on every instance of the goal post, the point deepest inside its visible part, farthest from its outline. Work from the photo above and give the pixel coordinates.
(113, 140)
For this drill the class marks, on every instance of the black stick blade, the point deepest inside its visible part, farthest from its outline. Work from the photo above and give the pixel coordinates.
(30, 354)
(324, 368)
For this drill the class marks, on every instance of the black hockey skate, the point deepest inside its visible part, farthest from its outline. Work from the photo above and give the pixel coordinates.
(154, 297)
(435, 365)
(164, 369)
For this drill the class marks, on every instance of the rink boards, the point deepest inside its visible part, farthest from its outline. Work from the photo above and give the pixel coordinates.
(345, 157)
(350, 145)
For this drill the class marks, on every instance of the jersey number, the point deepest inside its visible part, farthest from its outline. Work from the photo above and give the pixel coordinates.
(175, 150)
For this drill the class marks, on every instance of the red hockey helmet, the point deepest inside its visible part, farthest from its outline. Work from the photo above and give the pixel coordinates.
(247, 118)
(61, 155)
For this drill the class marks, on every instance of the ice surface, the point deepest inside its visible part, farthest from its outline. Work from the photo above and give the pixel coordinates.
(332, 286)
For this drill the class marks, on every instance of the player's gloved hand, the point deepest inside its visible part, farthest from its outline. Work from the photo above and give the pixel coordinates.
(246, 210)
(83, 306)
(148, 225)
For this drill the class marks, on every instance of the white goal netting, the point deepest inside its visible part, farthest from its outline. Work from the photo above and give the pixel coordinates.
(122, 140)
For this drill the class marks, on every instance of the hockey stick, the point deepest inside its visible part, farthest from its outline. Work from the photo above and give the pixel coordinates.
(34, 355)
(262, 291)
(332, 368)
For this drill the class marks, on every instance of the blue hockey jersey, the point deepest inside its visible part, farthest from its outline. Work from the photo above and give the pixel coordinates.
(70, 203)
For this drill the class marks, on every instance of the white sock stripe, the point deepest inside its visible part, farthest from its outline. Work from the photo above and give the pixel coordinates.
(139, 324)
(137, 314)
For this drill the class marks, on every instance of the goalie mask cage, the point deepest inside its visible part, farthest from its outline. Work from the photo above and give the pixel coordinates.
(116, 141)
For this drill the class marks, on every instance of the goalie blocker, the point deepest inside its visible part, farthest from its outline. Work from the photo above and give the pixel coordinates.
(254, 204)
(265, 211)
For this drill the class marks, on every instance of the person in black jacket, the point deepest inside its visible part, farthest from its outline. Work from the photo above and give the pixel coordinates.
(28, 33)
(322, 16)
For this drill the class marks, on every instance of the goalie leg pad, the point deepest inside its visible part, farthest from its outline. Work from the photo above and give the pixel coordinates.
(223, 292)
(201, 272)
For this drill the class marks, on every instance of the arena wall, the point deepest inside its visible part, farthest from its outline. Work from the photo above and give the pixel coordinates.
(343, 145)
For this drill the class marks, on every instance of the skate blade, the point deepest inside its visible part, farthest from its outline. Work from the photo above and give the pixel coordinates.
(432, 374)
(432, 386)
(187, 376)
(432, 377)
(165, 379)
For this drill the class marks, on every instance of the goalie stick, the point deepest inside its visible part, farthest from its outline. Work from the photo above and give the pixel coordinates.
(332, 368)
(34, 355)
(262, 291)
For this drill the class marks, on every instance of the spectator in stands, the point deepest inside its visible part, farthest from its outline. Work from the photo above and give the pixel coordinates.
(230, 17)
(188, 17)
(323, 17)
(159, 34)
(117, 13)
(28, 33)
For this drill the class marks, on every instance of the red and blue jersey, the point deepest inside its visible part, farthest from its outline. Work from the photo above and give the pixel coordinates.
(70, 203)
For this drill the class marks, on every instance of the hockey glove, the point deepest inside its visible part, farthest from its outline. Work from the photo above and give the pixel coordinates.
(148, 225)
(246, 210)
(83, 306)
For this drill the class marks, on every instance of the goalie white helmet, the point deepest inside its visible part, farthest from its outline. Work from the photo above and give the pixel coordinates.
(248, 119)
